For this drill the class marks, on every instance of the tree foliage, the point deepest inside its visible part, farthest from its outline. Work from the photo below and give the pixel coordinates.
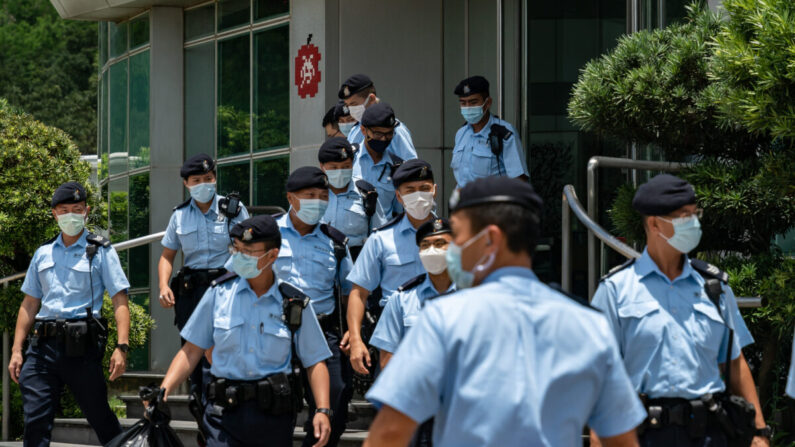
(48, 67)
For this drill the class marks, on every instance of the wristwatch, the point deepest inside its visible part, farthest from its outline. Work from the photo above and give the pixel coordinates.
(123, 347)
(326, 411)
(766, 432)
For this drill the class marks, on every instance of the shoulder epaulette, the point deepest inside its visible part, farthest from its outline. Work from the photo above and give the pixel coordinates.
(394, 220)
(99, 241)
(50, 240)
(465, 124)
(223, 278)
(577, 299)
(292, 292)
(364, 186)
(501, 131)
(356, 147)
(709, 270)
(334, 234)
(412, 283)
(182, 205)
(396, 161)
(618, 268)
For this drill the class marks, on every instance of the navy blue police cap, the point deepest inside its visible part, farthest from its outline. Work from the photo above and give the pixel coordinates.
(412, 170)
(662, 195)
(472, 85)
(341, 110)
(69, 192)
(257, 229)
(330, 117)
(197, 165)
(433, 227)
(379, 115)
(495, 190)
(335, 149)
(307, 177)
(353, 85)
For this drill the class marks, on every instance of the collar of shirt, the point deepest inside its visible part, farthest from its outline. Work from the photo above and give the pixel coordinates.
(364, 154)
(212, 212)
(486, 129)
(287, 223)
(645, 265)
(81, 241)
(504, 272)
(273, 292)
(426, 290)
(405, 225)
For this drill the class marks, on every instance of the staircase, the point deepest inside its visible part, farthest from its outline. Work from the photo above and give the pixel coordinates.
(77, 432)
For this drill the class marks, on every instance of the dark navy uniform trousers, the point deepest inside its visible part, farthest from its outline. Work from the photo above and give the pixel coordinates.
(675, 435)
(247, 426)
(45, 372)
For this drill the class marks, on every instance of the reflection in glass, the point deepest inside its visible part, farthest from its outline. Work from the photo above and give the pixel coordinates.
(234, 178)
(138, 358)
(232, 13)
(103, 44)
(118, 117)
(233, 96)
(118, 39)
(271, 88)
(199, 22)
(139, 110)
(265, 9)
(117, 213)
(270, 177)
(139, 226)
(139, 32)
(199, 100)
(102, 139)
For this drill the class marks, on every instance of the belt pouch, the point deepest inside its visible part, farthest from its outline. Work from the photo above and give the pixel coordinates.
(231, 397)
(282, 402)
(264, 395)
(697, 426)
(76, 333)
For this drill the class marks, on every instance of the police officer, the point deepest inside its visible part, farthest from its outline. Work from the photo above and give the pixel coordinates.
(257, 325)
(345, 122)
(330, 124)
(377, 159)
(314, 257)
(403, 308)
(791, 378)
(485, 145)
(351, 204)
(389, 257)
(509, 361)
(63, 289)
(673, 331)
(200, 227)
(358, 93)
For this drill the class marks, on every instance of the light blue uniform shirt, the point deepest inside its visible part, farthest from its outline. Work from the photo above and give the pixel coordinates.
(308, 262)
(401, 313)
(388, 259)
(473, 159)
(203, 238)
(380, 174)
(510, 362)
(345, 212)
(59, 277)
(669, 332)
(249, 337)
(791, 379)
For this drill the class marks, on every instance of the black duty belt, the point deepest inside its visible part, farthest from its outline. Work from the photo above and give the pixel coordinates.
(329, 322)
(273, 394)
(694, 415)
(57, 328)
(189, 277)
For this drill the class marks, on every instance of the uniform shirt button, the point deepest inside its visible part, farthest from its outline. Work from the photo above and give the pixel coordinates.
(250, 349)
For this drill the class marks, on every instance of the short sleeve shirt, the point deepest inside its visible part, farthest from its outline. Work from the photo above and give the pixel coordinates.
(474, 159)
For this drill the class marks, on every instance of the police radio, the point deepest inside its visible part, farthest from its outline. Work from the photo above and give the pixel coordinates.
(230, 205)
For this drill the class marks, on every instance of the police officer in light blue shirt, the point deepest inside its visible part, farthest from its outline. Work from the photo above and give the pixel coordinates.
(64, 289)
(510, 361)
(389, 257)
(791, 379)
(254, 322)
(351, 204)
(314, 257)
(485, 145)
(672, 334)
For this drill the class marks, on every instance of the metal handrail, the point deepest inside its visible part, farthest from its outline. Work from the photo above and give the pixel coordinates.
(121, 246)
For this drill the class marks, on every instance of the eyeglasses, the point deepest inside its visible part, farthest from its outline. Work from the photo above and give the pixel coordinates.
(438, 243)
(234, 250)
(383, 135)
(698, 213)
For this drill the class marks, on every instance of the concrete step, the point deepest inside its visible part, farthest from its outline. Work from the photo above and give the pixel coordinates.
(130, 382)
(74, 432)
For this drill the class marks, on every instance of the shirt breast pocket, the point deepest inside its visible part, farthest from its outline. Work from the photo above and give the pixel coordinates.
(227, 334)
(455, 163)
(323, 265)
(284, 262)
(219, 237)
(355, 220)
(400, 261)
(709, 328)
(409, 321)
(275, 345)
(78, 275)
(46, 274)
(188, 237)
(643, 323)
(482, 158)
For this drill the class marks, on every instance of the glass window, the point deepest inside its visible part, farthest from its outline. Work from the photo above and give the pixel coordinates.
(118, 117)
(138, 358)
(199, 22)
(233, 13)
(199, 100)
(103, 44)
(234, 178)
(272, 88)
(270, 178)
(139, 110)
(139, 32)
(117, 213)
(103, 126)
(118, 39)
(233, 96)
(265, 9)
(139, 226)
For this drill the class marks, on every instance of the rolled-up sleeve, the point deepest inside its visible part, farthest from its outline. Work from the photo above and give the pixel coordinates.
(389, 330)
(199, 328)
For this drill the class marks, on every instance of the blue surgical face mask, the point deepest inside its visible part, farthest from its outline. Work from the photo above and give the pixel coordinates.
(464, 279)
(311, 210)
(687, 233)
(246, 265)
(473, 114)
(338, 178)
(346, 128)
(203, 192)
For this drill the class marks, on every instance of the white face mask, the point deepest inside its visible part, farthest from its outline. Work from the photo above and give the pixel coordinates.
(357, 111)
(339, 178)
(434, 260)
(418, 204)
(71, 223)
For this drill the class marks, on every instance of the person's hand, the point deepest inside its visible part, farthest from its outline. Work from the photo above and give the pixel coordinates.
(759, 441)
(118, 364)
(345, 344)
(15, 365)
(360, 357)
(322, 425)
(166, 297)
